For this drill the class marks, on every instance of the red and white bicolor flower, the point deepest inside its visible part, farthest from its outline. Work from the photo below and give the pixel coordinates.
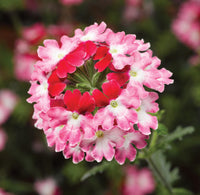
(89, 93)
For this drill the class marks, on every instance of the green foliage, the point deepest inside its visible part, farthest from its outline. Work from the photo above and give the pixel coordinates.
(9, 5)
(74, 172)
(162, 169)
(164, 142)
(94, 170)
(175, 191)
(162, 129)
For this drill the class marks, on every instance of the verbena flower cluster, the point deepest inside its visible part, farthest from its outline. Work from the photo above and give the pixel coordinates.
(92, 94)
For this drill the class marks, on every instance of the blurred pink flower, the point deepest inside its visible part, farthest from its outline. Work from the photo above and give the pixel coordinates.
(138, 182)
(71, 2)
(3, 139)
(137, 9)
(25, 48)
(186, 26)
(133, 2)
(8, 101)
(194, 60)
(47, 186)
(2, 192)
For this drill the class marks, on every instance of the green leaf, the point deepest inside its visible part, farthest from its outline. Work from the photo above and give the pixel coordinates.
(95, 78)
(162, 129)
(16, 186)
(175, 191)
(178, 133)
(97, 169)
(181, 191)
(162, 170)
(74, 172)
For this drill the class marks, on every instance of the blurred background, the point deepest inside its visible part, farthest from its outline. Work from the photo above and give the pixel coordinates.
(27, 165)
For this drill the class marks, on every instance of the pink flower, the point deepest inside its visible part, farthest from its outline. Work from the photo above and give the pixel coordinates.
(8, 101)
(187, 24)
(127, 150)
(2, 192)
(138, 182)
(194, 60)
(3, 139)
(46, 186)
(25, 54)
(133, 2)
(136, 10)
(102, 144)
(89, 93)
(71, 2)
(24, 66)
(34, 34)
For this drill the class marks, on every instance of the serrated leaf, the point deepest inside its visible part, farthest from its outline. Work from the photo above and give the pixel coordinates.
(162, 170)
(178, 133)
(97, 169)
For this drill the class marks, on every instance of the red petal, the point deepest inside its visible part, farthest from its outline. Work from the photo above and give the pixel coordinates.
(53, 78)
(76, 57)
(111, 89)
(90, 48)
(100, 98)
(101, 52)
(64, 68)
(86, 103)
(103, 64)
(121, 78)
(57, 103)
(71, 100)
(56, 88)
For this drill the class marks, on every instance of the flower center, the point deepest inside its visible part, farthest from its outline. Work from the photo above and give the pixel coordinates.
(60, 55)
(99, 133)
(114, 103)
(75, 115)
(133, 73)
(138, 109)
(113, 50)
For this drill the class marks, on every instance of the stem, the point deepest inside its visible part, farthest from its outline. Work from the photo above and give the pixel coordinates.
(153, 139)
(159, 174)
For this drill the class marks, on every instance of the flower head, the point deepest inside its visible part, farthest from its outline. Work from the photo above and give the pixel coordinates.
(89, 93)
